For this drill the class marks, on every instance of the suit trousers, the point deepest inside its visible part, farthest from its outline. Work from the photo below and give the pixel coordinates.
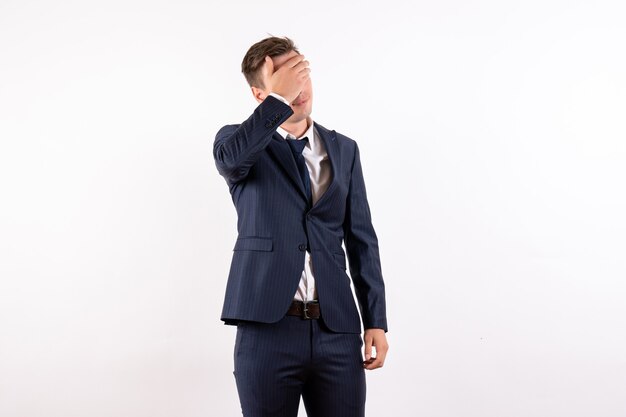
(276, 363)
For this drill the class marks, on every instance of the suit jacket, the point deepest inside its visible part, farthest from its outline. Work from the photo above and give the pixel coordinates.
(276, 226)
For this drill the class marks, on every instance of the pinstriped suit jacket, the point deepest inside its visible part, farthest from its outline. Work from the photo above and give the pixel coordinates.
(275, 227)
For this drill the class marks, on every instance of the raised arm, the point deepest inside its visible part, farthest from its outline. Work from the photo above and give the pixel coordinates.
(237, 147)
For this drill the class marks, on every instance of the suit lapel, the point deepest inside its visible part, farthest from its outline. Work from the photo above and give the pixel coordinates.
(329, 138)
(282, 152)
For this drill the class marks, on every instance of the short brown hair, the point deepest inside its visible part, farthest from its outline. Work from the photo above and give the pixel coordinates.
(255, 57)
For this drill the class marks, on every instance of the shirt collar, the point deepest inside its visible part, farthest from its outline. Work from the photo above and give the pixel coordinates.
(309, 132)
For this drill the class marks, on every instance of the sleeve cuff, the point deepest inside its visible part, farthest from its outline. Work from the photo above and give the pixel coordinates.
(281, 98)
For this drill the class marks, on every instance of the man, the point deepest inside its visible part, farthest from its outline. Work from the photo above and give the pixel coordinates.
(299, 193)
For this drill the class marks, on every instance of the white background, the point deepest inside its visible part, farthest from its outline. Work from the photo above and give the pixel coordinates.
(493, 146)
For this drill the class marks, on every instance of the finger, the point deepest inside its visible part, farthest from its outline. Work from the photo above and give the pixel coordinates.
(368, 348)
(293, 61)
(304, 73)
(374, 363)
(381, 355)
(304, 76)
(381, 352)
(301, 65)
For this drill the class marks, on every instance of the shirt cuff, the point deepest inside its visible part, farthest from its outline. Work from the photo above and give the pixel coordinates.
(281, 98)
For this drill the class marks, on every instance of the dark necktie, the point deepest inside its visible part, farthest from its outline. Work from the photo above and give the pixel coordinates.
(297, 145)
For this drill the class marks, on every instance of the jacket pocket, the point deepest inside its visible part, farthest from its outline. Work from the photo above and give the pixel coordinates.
(341, 258)
(254, 243)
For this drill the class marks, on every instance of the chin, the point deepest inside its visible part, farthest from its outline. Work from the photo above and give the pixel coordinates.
(303, 113)
(300, 115)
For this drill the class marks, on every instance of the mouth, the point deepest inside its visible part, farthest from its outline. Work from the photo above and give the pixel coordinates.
(300, 102)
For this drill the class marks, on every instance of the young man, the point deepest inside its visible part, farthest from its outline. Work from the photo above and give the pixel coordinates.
(299, 193)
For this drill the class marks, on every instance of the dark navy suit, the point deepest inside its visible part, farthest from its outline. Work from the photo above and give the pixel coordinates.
(275, 227)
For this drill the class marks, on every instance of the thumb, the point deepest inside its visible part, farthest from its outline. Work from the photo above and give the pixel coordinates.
(269, 65)
(368, 348)
(266, 71)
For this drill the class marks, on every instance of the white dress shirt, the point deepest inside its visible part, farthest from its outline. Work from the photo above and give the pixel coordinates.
(318, 164)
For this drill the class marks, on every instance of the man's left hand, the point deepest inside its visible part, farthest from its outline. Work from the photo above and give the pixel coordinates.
(376, 338)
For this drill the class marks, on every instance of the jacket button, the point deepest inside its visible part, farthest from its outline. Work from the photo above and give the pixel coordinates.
(302, 247)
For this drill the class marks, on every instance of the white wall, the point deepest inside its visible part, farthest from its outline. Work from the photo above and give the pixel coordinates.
(493, 145)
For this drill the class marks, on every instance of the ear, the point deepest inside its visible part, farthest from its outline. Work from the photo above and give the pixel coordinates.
(259, 94)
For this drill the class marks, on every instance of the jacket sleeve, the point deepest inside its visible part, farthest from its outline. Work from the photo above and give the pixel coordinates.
(362, 251)
(237, 147)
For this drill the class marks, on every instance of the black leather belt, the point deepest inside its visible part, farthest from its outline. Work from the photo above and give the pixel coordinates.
(305, 310)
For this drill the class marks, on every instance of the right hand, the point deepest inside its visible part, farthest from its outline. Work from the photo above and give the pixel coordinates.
(289, 80)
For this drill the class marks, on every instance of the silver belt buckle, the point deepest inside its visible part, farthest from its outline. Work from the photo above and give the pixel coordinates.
(305, 310)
